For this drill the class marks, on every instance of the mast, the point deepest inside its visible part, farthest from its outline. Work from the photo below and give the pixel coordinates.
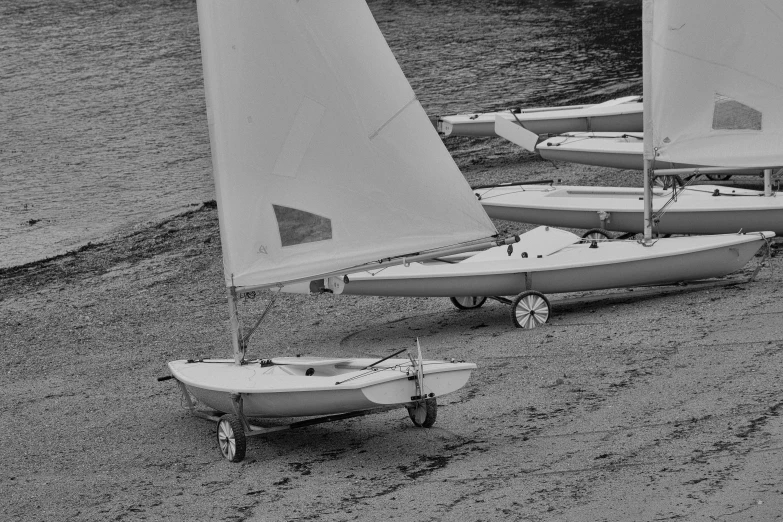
(649, 153)
(767, 182)
(237, 342)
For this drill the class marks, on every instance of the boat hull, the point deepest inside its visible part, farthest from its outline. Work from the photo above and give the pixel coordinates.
(621, 117)
(339, 386)
(696, 210)
(601, 149)
(578, 267)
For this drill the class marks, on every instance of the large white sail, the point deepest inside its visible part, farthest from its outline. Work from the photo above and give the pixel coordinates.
(716, 83)
(322, 156)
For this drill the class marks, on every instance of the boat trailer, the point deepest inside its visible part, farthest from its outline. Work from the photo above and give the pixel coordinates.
(233, 429)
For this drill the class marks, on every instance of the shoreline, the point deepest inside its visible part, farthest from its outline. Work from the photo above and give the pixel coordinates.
(135, 227)
(113, 235)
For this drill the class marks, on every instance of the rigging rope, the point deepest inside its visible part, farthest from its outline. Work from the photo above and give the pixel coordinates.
(482, 196)
(762, 264)
(246, 338)
(398, 367)
(575, 139)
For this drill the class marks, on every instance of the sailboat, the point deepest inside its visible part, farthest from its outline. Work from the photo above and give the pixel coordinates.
(613, 149)
(329, 177)
(616, 115)
(713, 107)
(324, 163)
(695, 209)
(549, 260)
(546, 260)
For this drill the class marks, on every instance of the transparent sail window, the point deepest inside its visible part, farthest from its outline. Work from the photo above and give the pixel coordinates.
(729, 114)
(297, 226)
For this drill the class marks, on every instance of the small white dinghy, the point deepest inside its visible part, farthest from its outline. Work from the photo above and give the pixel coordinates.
(614, 150)
(329, 389)
(617, 150)
(548, 260)
(602, 149)
(310, 386)
(324, 162)
(618, 115)
(713, 102)
(697, 209)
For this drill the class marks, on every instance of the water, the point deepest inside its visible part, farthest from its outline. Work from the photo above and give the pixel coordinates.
(103, 116)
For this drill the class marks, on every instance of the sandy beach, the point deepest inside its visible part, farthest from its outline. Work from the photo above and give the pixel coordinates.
(634, 404)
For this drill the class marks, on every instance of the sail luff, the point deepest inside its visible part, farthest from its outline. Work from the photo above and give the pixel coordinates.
(649, 155)
(647, 94)
(208, 62)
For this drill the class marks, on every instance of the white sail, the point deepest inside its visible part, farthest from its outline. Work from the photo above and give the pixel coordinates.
(716, 82)
(323, 158)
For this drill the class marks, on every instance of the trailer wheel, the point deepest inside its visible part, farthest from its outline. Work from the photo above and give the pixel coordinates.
(429, 410)
(231, 438)
(595, 233)
(468, 302)
(530, 309)
(666, 182)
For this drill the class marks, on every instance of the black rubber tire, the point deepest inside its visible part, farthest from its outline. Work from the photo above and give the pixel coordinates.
(595, 233)
(530, 309)
(718, 177)
(432, 413)
(470, 302)
(666, 182)
(231, 438)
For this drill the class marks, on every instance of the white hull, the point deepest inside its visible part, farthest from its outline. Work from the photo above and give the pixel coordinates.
(696, 210)
(621, 115)
(609, 149)
(602, 149)
(284, 390)
(619, 152)
(568, 267)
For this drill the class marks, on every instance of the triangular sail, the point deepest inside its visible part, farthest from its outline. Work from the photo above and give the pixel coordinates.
(716, 95)
(323, 157)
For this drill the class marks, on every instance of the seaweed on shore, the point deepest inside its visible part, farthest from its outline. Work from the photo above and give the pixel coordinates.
(191, 231)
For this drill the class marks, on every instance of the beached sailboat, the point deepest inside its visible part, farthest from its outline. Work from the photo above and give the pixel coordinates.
(712, 99)
(617, 115)
(549, 260)
(613, 148)
(617, 150)
(324, 162)
(329, 177)
(696, 209)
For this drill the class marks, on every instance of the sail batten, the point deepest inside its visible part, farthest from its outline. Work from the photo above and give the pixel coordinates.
(715, 86)
(374, 134)
(323, 157)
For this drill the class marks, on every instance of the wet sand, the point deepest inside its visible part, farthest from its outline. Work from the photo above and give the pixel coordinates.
(643, 404)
